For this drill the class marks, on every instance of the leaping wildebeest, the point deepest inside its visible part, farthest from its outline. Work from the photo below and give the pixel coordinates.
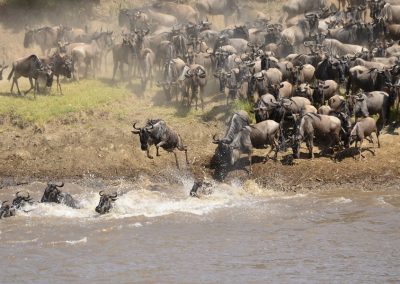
(32, 68)
(156, 132)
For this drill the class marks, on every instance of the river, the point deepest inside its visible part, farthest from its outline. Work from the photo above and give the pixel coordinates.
(238, 234)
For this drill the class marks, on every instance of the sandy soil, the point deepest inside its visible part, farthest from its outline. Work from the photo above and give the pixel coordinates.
(97, 144)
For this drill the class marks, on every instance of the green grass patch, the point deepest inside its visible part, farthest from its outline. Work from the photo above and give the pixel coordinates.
(244, 105)
(78, 96)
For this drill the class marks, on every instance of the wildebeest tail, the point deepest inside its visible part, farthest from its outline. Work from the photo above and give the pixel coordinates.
(11, 73)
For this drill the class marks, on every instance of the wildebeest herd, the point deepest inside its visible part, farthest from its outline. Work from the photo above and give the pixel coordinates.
(308, 74)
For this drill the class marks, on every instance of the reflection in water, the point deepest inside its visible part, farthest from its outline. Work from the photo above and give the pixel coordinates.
(240, 233)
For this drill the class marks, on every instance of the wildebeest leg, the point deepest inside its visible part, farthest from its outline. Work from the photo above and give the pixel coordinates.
(115, 71)
(158, 146)
(359, 149)
(176, 159)
(373, 144)
(59, 85)
(32, 86)
(201, 98)
(355, 147)
(377, 138)
(251, 170)
(148, 154)
(310, 146)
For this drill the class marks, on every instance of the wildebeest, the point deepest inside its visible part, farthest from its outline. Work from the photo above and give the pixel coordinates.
(254, 136)
(106, 202)
(2, 68)
(324, 110)
(196, 77)
(265, 105)
(32, 68)
(46, 38)
(220, 160)
(173, 69)
(156, 132)
(370, 80)
(6, 210)
(53, 194)
(146, 62)
(184, 13)
(91, 53)
(295, 7)
(21, 200)
(364, 129)
(217, 7)
(391, 13)
(371, 103)
(60, 64)
(331, 69)
(338, 48)
(304, 73)
(124, 53)
(324, 91)
(311, 124)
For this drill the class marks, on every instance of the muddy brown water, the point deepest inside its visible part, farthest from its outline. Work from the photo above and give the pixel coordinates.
(238, 234)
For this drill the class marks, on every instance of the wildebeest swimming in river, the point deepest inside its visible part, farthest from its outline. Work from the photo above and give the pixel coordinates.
(32, 68)
(53, 194)
(6, 210)
(106, 202)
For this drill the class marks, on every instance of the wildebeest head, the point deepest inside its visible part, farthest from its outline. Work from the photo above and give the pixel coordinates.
(264, 107)
(105, 203)
(260, 86)
(29, 37)
(6, 210)
(360, 106)
(2, 68)
(222, 152)
(20, 200)
(143, 136)
(338, 65)
(52, 193)
(65, 66)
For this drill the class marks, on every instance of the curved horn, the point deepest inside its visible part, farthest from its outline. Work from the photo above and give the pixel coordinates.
(101, 193)
(61, 185)
(134, 126)
(115, 195)
(216, 140)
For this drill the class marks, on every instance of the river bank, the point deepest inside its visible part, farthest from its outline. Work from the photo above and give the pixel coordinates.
(96, 142)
